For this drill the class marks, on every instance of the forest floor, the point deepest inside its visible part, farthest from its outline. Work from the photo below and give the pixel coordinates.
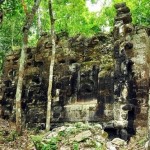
(9, 140)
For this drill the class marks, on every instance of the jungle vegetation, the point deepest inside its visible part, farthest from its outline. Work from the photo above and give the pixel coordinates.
(71, 16)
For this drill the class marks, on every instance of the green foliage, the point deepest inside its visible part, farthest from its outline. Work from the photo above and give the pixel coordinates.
(66, 137)
(93, 1)
(107, 16)
(10, 30)
(6, 136)
(49, 144)
(53, 143)
(71, 16)
(75, 18)
(13, 135)
(37, 142)
(142, 141)
(75, 146)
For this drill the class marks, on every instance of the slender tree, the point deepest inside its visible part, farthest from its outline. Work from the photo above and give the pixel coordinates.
(51, 68)
(39, 23)
(24, 7)
(27, 25)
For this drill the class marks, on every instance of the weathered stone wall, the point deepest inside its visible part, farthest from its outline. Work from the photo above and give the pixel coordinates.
(123, 75)
(140, 57)
(81, 86)
(131, 74)
(102, 79)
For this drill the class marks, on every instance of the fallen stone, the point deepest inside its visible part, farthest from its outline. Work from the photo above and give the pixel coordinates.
(82, 136)
(118, 142)
(51, 134)
(120, 123)
(98, 126)
(110, 146)
(147, 145)
(99, 138)
(108, 125)
(69, 129)
(59, 129)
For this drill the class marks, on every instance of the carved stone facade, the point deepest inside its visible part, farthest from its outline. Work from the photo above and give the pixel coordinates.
(101, 79)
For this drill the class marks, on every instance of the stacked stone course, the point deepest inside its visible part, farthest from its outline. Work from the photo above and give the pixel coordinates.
(123, 76)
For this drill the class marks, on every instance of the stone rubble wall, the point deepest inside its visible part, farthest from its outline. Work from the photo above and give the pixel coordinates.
(77, 81)
(131, 74)
(141, 67)
(123, 75)
(102, 79)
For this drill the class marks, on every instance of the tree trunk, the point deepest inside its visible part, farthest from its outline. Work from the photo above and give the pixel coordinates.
(24, 7)
(39, 23)
(49, 93)
(12, 35)
(28, 23)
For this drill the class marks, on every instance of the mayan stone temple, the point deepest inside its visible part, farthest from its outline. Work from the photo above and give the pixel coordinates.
(103, 79)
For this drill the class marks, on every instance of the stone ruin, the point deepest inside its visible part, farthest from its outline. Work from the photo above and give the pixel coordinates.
(102, 79)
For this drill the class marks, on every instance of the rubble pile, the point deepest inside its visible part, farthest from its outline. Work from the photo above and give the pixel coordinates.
(78, 136)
